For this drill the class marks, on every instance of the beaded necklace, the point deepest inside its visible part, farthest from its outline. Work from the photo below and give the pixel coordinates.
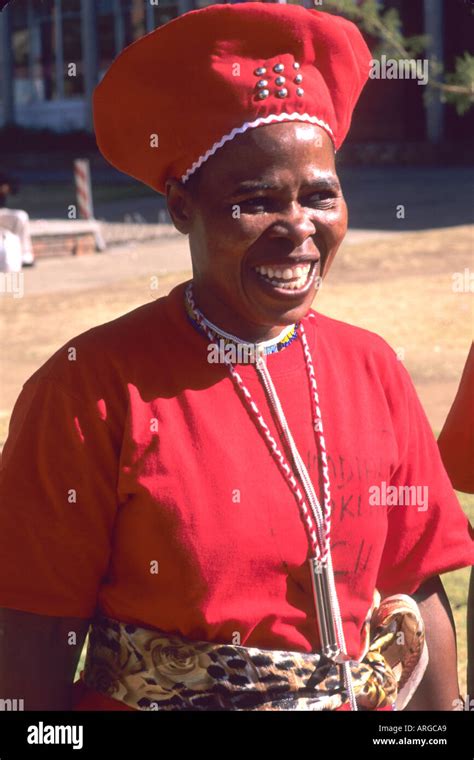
(284, 339)
(322, 574)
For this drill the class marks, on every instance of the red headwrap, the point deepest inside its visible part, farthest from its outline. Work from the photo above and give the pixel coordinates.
(174, 96)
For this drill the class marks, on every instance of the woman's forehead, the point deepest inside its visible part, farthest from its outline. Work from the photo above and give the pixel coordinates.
(263, 156)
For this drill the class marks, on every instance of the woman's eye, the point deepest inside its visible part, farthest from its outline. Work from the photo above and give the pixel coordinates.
(263, 204)
(322, 199)
(258, 203)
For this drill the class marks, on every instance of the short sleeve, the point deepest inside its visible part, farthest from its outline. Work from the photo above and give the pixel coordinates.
(428, 533)
(58, 478)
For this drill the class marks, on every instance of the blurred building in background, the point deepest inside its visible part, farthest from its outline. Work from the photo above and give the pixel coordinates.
(53, 53)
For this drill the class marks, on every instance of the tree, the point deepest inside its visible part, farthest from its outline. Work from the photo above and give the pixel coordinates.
(455, 87)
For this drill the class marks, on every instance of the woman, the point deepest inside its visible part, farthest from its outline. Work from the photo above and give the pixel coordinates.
(201, 471)
(456, 446)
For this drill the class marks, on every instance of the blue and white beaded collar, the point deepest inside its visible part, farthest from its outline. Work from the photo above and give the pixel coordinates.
(272, 346)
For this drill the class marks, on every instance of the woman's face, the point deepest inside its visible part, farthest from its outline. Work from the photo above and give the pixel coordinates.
(265, 217)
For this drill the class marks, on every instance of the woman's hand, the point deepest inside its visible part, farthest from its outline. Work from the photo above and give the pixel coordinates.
(38, 658)
(439, 686)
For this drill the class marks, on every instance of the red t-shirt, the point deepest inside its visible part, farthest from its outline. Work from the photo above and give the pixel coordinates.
(456, 440)
(127, 447)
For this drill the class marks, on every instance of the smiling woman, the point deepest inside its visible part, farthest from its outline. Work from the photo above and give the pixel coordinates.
(213, 520)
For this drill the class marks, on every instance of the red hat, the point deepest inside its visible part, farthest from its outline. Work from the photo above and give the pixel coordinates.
(176, 95)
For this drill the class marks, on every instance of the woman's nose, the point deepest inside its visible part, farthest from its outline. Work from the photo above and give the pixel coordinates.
(293, 224)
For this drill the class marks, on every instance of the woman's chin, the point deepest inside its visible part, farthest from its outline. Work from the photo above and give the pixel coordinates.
(280, 304)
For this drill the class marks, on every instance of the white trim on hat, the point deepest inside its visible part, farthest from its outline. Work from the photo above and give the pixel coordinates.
(249, 125)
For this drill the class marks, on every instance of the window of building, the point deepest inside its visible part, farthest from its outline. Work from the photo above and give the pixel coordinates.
(106, 35)
(73, 77)
(46, 50)
(121, 22)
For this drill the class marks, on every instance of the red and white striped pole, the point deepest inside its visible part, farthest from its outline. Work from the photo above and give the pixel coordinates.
(82, 177)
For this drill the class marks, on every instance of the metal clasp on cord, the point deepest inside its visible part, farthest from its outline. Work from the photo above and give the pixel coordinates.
(321, 591)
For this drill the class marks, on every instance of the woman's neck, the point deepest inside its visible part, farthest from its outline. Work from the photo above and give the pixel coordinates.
(233, 324)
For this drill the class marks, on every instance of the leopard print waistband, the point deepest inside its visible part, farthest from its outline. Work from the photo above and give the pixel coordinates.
(150, 669)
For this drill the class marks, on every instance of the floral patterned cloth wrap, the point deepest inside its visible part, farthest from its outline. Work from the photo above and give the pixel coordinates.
(149, 669)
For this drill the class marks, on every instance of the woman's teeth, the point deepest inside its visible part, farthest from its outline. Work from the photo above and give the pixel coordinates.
(291, 278)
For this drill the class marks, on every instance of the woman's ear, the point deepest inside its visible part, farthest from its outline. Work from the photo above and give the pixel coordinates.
(180, 205)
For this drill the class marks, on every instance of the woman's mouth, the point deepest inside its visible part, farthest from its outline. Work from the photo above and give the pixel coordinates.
(292, 280)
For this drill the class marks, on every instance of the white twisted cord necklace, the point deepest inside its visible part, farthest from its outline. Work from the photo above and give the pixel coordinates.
(322, 574)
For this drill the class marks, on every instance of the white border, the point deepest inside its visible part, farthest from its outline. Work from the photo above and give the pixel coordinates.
(250, 125)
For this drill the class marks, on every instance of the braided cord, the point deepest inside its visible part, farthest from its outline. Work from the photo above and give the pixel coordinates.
(318, 428)
(323, 556)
